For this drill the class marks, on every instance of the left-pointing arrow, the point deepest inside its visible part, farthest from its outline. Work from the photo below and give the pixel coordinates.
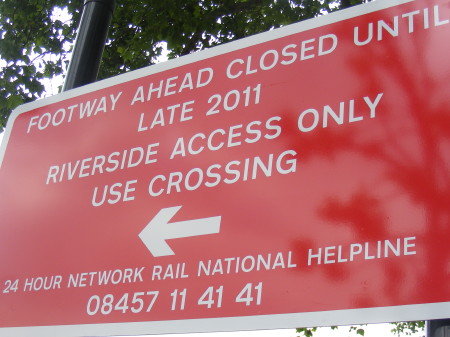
(158, 230)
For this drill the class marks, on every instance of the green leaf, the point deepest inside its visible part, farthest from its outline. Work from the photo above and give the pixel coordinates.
(14, 101)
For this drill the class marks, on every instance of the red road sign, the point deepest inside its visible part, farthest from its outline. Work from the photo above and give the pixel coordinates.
(295, 178)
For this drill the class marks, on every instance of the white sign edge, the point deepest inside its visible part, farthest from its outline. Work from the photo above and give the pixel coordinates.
(260, 322)
(243, 323)
(222, 49)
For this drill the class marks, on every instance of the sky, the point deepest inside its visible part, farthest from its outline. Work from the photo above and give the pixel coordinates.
(372, 330)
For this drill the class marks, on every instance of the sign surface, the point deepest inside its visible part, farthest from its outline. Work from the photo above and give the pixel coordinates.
(295, 178)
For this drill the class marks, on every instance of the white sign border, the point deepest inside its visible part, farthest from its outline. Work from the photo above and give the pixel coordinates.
(261, 322)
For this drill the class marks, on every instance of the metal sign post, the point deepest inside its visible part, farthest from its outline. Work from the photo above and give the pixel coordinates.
(90, 42)
(438, 328)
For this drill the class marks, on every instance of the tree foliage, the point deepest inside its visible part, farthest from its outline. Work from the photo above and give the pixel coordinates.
(28, 34)
(398, 329)
(34, 44)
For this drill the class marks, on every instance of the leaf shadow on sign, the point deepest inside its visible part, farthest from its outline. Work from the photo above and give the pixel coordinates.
(409, 150)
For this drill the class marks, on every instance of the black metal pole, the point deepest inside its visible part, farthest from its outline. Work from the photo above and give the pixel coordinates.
(90, 42)
(438, 328)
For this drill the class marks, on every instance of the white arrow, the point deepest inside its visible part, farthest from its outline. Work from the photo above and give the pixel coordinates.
(158, 230)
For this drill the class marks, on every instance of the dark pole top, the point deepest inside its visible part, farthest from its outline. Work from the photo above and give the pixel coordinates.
(89, 44)
(110, 4)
